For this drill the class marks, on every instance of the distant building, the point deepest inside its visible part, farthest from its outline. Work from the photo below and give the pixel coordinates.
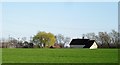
(83, 43)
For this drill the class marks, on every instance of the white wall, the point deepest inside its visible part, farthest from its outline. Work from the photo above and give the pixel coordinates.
(94, 46)
(77, 46)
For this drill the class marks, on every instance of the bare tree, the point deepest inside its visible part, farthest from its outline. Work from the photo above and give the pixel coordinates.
(62, 40)
(114, 36)
(91, 36)
(23, 38)
(66, 41)
(105, 39)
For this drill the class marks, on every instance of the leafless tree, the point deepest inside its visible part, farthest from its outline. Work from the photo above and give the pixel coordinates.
(114, 35)
(66, 40)
(91, 36)
(62, 40)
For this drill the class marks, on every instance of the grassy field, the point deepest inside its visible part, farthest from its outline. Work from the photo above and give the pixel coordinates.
(59, 56)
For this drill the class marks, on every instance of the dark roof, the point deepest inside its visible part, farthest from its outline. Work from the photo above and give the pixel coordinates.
(88, 43)
(79, 41)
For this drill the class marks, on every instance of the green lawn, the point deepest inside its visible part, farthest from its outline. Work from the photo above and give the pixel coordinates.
(0, 55)
(59, 56)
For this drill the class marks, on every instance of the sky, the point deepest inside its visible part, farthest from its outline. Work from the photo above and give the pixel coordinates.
(72, 19)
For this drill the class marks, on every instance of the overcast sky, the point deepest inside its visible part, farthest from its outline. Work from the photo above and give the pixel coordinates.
(24, 19)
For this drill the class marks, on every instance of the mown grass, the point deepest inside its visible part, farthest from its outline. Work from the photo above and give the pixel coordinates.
(0, 55)
(59, 55)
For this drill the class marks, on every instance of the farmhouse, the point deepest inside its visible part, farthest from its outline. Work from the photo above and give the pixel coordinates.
(83, 43)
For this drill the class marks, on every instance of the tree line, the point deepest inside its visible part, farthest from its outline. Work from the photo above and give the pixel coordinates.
(48, 40)
(104, 39)
(40, 40)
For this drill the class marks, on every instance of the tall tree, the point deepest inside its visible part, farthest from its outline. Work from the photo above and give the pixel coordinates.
(45, 39)
(91, 36)
(66, 41)
(23, 39)
(105, 39)
(62, 40)
(114, 35)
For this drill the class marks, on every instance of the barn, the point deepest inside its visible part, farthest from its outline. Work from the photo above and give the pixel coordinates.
(83, 43)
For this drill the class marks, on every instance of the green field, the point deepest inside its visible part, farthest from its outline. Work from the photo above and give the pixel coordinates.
(59, 55)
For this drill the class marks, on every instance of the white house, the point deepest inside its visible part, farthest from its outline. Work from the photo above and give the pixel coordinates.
(83, 43)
